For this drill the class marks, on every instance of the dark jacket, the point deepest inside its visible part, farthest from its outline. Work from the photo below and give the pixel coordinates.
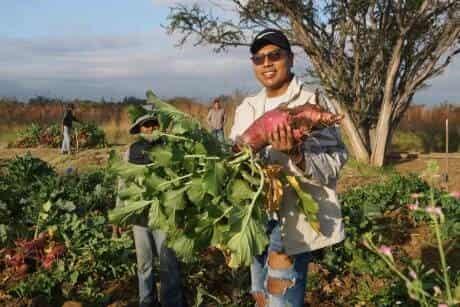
(68, 118)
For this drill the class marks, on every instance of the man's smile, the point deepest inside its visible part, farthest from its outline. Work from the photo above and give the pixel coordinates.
(269, 74)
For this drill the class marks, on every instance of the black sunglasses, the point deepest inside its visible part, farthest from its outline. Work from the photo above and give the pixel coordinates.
(273, 56)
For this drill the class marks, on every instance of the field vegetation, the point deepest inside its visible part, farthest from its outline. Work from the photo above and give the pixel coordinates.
(71, 208)
(421, 130)
(58, 245)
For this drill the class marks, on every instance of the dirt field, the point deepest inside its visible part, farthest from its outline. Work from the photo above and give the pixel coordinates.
(419, 164)
(352, 176)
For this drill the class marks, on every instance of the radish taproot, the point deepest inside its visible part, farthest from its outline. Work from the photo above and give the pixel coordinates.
(302, 119)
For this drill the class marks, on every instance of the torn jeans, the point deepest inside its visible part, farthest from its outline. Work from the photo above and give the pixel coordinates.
(297, 273)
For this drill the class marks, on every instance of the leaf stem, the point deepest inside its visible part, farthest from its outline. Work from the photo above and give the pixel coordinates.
(175, 180)
(257, 194)
(443, 259)
(201, 157)
(239, 159)
(172, 136)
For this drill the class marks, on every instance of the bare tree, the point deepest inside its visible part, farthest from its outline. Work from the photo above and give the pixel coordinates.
(370, 56)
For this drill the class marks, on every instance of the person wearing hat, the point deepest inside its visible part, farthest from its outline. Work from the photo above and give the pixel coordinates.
(279, 275)
(149, 242)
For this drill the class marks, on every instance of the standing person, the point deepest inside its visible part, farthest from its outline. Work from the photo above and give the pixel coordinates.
(216, 118)
(150, 242)
(67, 129)
(279, 275)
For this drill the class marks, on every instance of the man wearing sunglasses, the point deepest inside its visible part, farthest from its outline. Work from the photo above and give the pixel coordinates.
(279, 275)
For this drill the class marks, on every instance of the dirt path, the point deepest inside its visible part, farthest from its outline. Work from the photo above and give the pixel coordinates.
(81, 161)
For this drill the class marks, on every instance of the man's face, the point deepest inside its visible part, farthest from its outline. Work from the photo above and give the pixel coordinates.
(273, 74)
(216, 105)
(148, 127)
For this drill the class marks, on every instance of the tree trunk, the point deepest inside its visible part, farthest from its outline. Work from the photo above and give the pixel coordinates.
(358, 147)
(372, 137)
(382, 135)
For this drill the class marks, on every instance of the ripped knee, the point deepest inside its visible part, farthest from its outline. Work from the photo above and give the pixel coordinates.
(277, 286)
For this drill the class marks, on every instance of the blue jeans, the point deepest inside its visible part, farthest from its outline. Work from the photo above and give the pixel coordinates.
(297, 274)
(146, 240)
(218, 134)
(66, 140)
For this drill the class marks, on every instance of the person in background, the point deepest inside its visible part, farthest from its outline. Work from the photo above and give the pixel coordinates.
(216, 119)
(148, 242)
(67, 121)
(279, 275)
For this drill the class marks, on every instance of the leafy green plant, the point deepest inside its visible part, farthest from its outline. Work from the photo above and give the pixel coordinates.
(89, 135)
(199, 192)
(444, 291)
(365, 209)
(195, 191)
(29, 136)
(71, 209)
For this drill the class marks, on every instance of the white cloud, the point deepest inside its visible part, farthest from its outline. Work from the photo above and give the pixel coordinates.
(116, 66)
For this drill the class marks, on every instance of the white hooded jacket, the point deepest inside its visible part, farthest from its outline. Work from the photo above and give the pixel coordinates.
(324, 153)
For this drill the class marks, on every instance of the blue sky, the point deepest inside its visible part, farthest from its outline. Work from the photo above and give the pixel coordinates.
(116, 48)
(42, 18)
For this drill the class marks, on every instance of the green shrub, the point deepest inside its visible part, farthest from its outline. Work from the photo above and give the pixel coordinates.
(407, 141)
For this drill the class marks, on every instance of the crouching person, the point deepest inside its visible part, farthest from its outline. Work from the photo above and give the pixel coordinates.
(279, 275)
(150, 243)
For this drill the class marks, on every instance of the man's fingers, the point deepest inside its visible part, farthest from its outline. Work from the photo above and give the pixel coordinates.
(289, 139)
(270, 137)
(274, 136)
(288, 132)
(282, 134)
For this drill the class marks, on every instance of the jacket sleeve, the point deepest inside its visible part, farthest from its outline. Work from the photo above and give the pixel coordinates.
(324, 151)
(324, 155)
(237, 118)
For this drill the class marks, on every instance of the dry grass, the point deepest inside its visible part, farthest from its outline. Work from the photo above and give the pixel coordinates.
(111, 117)
(421, 129)
(426, 126)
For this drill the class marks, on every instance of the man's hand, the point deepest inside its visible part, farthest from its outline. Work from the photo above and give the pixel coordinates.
(281, 138)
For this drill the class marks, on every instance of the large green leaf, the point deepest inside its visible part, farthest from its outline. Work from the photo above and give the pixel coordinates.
(196, 192)
(156, 218)
(174, 200)
(220, 235)
(181, 127)
(120, 215)
(240, 191)
(131, 191)
(308, 205)
(204, 230)
(161, 156)
(251, 240)
(171, 117)
(127, 170)
(183, 246)
(155, 183)
(214, 178)
(199, 149)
